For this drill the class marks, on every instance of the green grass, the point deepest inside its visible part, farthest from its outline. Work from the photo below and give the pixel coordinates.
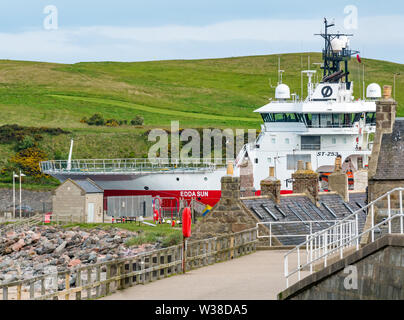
(218, 93)
(164, 233)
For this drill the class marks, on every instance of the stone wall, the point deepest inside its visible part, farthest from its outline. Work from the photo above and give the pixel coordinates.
(228, 216)
(379, 272)
(69, 200)
(37, 200)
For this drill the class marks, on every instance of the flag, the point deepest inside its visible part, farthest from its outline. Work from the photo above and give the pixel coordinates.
(358, 58)
(207, 210)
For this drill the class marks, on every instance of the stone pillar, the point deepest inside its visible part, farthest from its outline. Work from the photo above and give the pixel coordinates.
(271, 186)
(338, 180)
(385, 118)
(230, 190)
(305, 180)
(246, 179)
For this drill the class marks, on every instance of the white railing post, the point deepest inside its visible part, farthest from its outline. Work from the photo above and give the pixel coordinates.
(298, 263)
(325, 248)
(340, 238)
(372, 212)
(389, 211)
(286, 270)
(307, 249)
(311, 256)
(357, 231)
(401, 211)
(270, 234)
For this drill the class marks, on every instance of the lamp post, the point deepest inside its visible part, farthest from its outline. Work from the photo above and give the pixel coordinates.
(14, 176)
(394, 85)
(21, 175)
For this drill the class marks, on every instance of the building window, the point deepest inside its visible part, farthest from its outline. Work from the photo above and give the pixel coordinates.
(334, 140)
(344, 140)
(287, 141)
(273, 140)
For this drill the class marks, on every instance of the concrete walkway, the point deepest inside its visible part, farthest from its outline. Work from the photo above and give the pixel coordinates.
(258, 276)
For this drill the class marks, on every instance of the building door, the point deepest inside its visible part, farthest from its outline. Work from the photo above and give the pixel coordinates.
(90, 213)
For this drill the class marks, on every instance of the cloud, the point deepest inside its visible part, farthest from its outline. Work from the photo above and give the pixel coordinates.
(229, 38)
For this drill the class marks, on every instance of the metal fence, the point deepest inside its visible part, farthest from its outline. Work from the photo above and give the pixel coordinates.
(345, 234)
(130, 206)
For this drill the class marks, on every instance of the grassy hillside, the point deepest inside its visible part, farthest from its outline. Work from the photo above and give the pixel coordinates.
(199, 93)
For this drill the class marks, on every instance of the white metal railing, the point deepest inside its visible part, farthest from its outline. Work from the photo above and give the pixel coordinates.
(310, 224)
(342, 235)
(130, 165)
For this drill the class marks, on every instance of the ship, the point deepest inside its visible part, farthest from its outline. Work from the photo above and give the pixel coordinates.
(328, 123)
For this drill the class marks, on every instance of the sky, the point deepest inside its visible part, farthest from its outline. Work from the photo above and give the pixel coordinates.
(70, 31)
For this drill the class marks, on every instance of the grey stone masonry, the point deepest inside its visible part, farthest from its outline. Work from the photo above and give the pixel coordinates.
(37, 200)
(228, 216)
(271, 186)
(375, 272)
(305, 180)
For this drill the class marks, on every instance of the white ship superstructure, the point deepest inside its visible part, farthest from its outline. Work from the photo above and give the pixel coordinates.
(327, 123)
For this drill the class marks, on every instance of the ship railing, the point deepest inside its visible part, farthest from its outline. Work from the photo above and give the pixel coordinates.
(321, 126)
(344, 236)
(129, 165)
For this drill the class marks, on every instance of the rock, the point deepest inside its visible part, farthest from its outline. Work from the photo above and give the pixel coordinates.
(84, 256)
(74, 263)
(92, 258)
(18, 245)
(11, 235)
(35, 237)
(61, 247)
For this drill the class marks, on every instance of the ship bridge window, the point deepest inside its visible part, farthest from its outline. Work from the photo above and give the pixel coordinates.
(282, 117)
(371, 118)
(331, 120)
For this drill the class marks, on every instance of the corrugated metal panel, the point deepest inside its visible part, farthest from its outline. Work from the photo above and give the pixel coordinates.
(130, 206)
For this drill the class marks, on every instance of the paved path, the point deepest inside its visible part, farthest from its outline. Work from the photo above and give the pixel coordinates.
(256, 276)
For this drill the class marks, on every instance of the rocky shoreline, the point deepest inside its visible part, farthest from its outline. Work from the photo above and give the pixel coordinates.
(40, 250)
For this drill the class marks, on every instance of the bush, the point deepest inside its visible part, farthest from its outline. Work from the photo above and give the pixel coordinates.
(96, 120)
(112, 123)
(26, 143)
(137, 121)
(28, 161)
(172, 240)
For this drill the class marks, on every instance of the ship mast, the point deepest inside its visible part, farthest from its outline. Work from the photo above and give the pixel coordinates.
(333, 57)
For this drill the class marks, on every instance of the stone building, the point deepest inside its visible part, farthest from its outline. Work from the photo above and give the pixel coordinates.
(78, 201)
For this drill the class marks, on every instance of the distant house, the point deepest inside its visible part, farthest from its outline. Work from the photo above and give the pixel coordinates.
(78, 201)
